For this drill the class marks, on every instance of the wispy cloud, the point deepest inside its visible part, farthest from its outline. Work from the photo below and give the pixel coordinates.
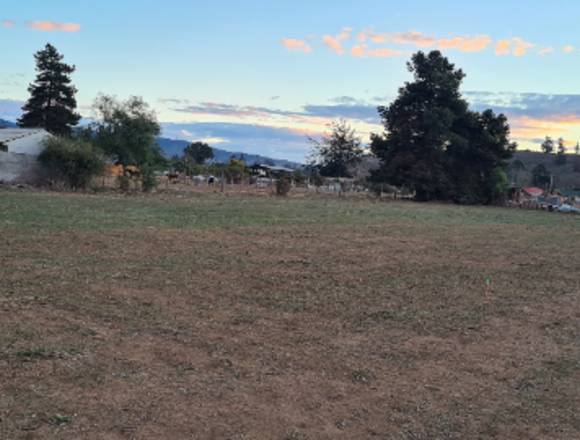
(51, 26)
(8, 24)
(465, 44)
(545, 51)
(533, 115)
(568, 49)
(278, 142)
(296, 45)
(342, 107)
(515, 46)
(534, 105)
(476, 43)
(335, 43)
(366, 42)
(361, 50)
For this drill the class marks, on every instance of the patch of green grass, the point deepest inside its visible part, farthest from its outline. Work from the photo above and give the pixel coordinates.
(43, 353)
(54, 211)
(60, 420)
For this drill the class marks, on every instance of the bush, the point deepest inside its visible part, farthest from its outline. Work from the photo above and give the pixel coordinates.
(124, 183)
(283, 186)
(299, 177)
(148, 180)
(72, 162)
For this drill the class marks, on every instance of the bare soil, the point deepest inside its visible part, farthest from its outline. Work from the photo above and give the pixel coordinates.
(403, 321)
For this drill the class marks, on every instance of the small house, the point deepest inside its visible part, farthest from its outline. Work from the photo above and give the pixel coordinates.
(19, 148)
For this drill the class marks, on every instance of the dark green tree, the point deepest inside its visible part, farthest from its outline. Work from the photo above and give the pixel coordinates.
(235, 170)
(548, 145)
(52, 100)
(541, 176)
(338, 151)
(127, 131)
(198, 153)
(433, 145)
(515, 168)
(561, 154)
(477, 156)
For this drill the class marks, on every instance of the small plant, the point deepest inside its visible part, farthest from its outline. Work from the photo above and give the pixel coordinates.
(362, 376)
(283, 186)
(35, 353)
(148, 180)
(60, 420)
(124, 183)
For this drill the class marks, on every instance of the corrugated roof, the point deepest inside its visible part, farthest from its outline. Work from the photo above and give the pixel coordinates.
(533, 191)
(24, 140)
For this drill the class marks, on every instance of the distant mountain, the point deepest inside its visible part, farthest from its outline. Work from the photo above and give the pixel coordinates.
(172, 147)
(7, 124)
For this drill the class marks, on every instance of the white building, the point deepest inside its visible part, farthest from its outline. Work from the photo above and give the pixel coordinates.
(19, 148)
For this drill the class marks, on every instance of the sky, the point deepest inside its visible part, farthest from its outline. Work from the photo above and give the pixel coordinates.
(263, 76)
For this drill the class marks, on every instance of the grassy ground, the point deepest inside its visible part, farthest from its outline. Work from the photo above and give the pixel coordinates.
(215, 317)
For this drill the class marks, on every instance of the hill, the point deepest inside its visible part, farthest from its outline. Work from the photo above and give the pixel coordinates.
(564, 175)
(7, 124)
(172, 147)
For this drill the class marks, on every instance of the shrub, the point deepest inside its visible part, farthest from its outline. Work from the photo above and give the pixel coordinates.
(148, 180)
(283, 186)
(72, 162)
(299, 177)
(124, 182)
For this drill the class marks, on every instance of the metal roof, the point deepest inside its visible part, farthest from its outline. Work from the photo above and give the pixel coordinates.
(24, 140)
(274, 168)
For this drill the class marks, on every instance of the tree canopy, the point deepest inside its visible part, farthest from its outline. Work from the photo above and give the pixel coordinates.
(561, 154)
(52, 101)
(198, 153)
(548, 145)
(434, 145)
(127, 131)
(337, 152)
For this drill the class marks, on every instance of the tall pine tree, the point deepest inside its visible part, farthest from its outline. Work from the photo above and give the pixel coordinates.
(52, 100)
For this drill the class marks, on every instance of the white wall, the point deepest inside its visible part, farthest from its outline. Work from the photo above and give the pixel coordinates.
(24, 141)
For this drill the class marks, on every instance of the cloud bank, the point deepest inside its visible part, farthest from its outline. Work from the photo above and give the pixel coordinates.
(364, 44)
(51, 26)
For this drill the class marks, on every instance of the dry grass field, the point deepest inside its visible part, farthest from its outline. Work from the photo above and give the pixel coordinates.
(240, 317)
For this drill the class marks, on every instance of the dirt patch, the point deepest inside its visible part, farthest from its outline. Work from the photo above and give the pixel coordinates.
(401, 328)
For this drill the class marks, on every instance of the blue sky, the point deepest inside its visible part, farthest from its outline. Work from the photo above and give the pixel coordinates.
(261, 76)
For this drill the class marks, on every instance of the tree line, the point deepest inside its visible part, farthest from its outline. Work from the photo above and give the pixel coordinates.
(433, 145)
(120, 132)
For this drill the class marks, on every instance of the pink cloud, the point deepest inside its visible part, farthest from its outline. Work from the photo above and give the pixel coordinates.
(335, 43)
(361, 50)
(8, 24)
(502, 47)
(521, 47)
(418, 39)
(465, 44)
(516, 46)
(51, 26)
(568, 49)
(296, 45)
(545, 51)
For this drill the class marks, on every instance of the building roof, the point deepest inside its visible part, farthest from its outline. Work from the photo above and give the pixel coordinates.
(273, 168)
(24, 140)
(533, 191)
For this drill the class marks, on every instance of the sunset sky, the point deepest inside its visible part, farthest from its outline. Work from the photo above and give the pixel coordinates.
(261, 76)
